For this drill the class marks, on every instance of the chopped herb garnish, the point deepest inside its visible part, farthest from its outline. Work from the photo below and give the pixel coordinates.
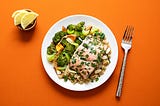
(93, 52)
(85, 45)
(65, 78)
(77, 52)
(81, 52)
(87, 56)
(82, 63)
(102, 51)
(82, 58)
(97, 79)
(87, 63)
(102, 36)
(72, 78)
(93, 65)
(99, 59)
(95, 61)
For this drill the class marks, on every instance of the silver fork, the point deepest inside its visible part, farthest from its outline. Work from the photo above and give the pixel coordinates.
(126, 45)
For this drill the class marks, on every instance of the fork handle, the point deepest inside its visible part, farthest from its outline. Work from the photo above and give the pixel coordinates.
(121, 77)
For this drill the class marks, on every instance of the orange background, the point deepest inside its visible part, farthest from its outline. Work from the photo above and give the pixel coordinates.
(24, 82)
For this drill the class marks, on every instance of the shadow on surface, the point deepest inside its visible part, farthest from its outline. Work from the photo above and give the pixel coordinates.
(79, 94)
(23, 36)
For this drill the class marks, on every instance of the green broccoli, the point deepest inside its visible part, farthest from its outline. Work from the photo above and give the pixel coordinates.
(51, 49)
(58, 36)
(64, 42)
(69, 49)
(78, 40)
(51, 57)
(70, 29)
(79, 26)
(63, 59)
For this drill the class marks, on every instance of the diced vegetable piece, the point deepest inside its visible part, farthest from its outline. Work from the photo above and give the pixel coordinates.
(59, 47)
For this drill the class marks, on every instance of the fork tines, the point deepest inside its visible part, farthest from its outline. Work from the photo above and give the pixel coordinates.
(128, 34)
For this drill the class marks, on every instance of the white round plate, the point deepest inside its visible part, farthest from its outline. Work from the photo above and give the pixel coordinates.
(74, 19)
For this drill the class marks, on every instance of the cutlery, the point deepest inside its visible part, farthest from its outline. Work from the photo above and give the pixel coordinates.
(126, 45)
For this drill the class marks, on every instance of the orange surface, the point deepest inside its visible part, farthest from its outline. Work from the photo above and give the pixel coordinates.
(24, 82)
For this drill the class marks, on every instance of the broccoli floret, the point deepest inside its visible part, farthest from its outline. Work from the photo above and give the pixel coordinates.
(64, 42)
(63, 59)
(51, 57)
(65, 55)
(70, 29)
(51, 49)
(69, 49)
(78, 40)
(79, 26)
(79, 34)
(58, 36)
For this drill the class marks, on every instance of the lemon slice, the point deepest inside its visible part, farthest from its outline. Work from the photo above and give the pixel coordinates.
(28, 18)
(17, 12)
(17, 18)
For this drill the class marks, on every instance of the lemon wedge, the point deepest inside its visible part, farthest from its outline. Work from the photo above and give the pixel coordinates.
(17, 12)
(28, 18)
(18, 16)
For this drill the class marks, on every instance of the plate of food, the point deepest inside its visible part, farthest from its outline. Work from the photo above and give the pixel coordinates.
(79, 52)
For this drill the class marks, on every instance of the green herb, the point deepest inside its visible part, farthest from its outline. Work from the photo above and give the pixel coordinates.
(85, 45)
(82, 63)
(72, 78)
(82, 58)
(95, 61)
(93, 52)
(99, 59)
(102, 51)
(81, 52)
(65, 78)
(93, 65)
(102, 36)
(87, 63)
(97, 79)
(87, 56)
